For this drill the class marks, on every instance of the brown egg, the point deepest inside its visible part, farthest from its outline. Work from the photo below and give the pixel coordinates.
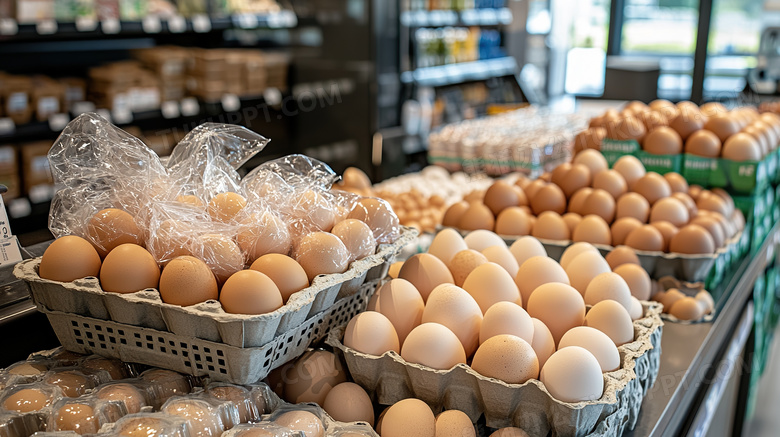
(688, 202)
(241, 398)
(593, 159)
(454, 214)
(712, 202)
(600, 203)
(263, 233)
(371, 333)
(225, 207)
(668, 231)
(758, 134)
(550, 226)
(78, 417)
(713, 227)
(27, 369)
(652, 120)
(115, 368)
(477, 216)
(250, 292)
(632, 205)
(357, 237)
(663, 141)
(687, 308)
(559, 173)
(284, 271)
(646, 238)
(322, 253)
(168, 383)
(187, 281)
(560, 306)
(576, 177)
(348, 402)
(652, 187)
(711, 109)
(408, 418)
(199, 415)
(548, 198)
(692, 239)
(610, 181)
(72, 383)
(378, 215)
(425, 272)
(622, 227)
(577, 201)
(726, 198)
(695, 191)
(69, 258)
(671, 210)
(129, 268)
(507, 358)
(590, 138)
(531, 189)
(501, 195)
(356, 178)
(27, 400)
(597, 121)
(677, 182)
(129, 395)
(630, 168)
(572, 219)
(454, 423)
(627, 128)
(661, 104)
(509, 431)
(723, 125)
(688, 121)
(112, 227)
(741, 147)
(636, 106)
(513, 221)
(463, 263)
(703, 143)
(592, 229)
(313, 376)
(621, 255)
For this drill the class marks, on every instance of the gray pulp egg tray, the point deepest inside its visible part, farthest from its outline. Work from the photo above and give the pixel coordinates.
(529, 406)
(203, 339)
(689, 268)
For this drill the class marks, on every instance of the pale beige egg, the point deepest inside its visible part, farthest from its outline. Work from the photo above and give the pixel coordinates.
(401, 303)
(456, 309)
(506, 318)
(537, 271)
(526, 247)
(371, 333)
(613, 319)
(595, 342)
(433, 345)
(425, 272)
(284, 271)
(583, 268)
(507, 358)
(559, 306)
(446, 244)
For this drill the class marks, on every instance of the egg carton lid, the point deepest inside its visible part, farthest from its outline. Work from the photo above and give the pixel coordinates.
(529, 406)
(206, 320)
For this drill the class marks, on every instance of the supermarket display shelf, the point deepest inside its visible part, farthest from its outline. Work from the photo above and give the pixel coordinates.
(151, 25)
(463, 72)
(172, 112)
(469, 17)
(688, 385)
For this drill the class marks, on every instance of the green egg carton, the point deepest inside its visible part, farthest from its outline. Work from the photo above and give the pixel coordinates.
(614, 149)
(660, 164)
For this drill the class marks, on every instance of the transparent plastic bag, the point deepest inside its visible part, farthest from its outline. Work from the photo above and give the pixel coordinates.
(96, 165)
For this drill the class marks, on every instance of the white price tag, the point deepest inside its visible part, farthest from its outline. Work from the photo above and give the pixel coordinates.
(177, 24)
(276, 21)
(290, 19)
(8, 26)
(272, 96)
(79, 108)
(169, 109)
(57, 122)
(105, 113)
(201, 23)
(190, 107)
(9, 251)
(110, 26)
(7, 126)
(19, 207)
(230, 102)
(122, 116)
(86, 24)
(46, 27)
(151, 24)
(40, 193)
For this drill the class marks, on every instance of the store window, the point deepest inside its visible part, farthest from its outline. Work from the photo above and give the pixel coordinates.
(664, 30)
(584, 25)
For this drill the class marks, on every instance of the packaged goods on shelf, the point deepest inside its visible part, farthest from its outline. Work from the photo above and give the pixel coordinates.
(16, 97)
(35, 165)
(124, 86)
(9, 172)
(527, 140)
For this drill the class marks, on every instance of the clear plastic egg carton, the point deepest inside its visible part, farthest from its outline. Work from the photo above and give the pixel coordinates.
(198, 357)
(525, 140)
(529, 406)
(207, 320)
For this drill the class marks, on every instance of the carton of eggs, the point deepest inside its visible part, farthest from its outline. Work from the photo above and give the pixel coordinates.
(503, 326)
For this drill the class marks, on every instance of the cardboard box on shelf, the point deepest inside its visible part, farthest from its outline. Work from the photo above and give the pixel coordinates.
(13, 183)
(35, 164)
(164, 61)
(17, 103)
(9, 163)
(75, 90)
(33, 11)
(48, 98)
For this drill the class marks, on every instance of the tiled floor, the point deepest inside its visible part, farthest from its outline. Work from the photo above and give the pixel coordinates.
(765, 422)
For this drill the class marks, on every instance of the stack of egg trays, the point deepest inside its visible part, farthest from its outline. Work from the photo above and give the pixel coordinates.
(689, 268)
(529, 406)
(202, 339)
